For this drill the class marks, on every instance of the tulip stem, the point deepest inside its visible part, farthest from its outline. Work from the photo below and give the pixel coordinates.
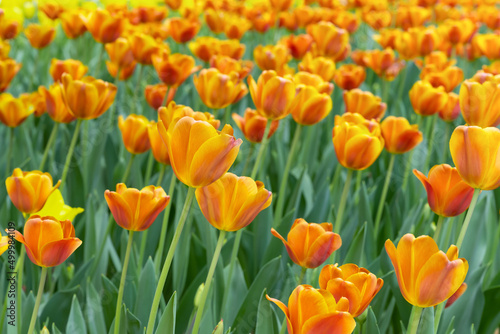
(385, 90)
(402, 81)
(234, 255)
(437, 317)
(70, 152)
(34, 315)
(249, 157)
(168, 260)
(122, 282)
(343, 200)
(416, 312)
(51, 141)
(262, 148)
(149, 168)
(161, 175)
(446, 142)
(136, 89)
(208, 281)
(227, 114)
(407, 170)
(9, 152)
(20, 270)
(128, 169)
(468, 217)
(431, 141)
(439, 228)
(278, 213)
(302, 275)
(163, 233)
(381, 203)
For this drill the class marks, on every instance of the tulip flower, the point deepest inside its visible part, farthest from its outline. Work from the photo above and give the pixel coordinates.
(349, 76)
(416, 42)
(271, 57)
(399, 136)
(236, 26)
(210, 153)
(377, 19)
(387, 38)
(315, 311)
(88, 98)
(357, 285)
(134, 131)
(226, 65)
(160, 151)
(4, 243)
(39, 36)
(36, 101)
(384, 63)
(364, 103)
(8, 70)
(426, 99)
(173, 69)
(120, 53)
(281, 5)
(104, 26)
(13, 111)
(449, 78)
(252, 125)
(72, 23)
(4, 49)
(411, 16)
(55, 105)
(232, 202)
(173, 4)
(459, 31)
(134, 209)
(330, 41)
(219, 90)
(451, 110)
(206, 47)
(475, 153)
(9, 28)
(309, 79)
(73, 67)
(310, 106)
(174, 112)
(214, 20)
(272, 95)
(461, 290)
(55, 207)
(478, 103)
(298, 45)
(52, 9)
(143, 47)
(155, 95)
(324, 67)
(310, 244)
(183, 30)
(147, 14)
(447, 194)
(426, 275)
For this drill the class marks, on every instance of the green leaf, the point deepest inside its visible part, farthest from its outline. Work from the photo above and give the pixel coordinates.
(371, 323)
(94, 313)
(58, 307)
(76, 323)
(145, 292)
(426, 325)
(167, 320)
(265, 316)
(28, 305)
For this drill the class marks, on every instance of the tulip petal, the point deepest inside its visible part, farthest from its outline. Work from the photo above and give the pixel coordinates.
(120, 209)
(340, 288)
(289, 249)
(334, 323)
(322, 248)
(55, 253)
(283, 307)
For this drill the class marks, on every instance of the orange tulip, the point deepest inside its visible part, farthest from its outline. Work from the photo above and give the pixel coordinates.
(226, 65)
(281, 5)
(206, 47)
(459, 31)
(231, 48)
(134, 131)
(310, 244)
(399, 136)
(412, 16)
(183, 30)
(252, 125)
(449, 78)
(426, 275)
(36, 101)
(324, 67)
(55, 105)
(377, 19)
(347, 20)
(309, 79)
(88, 98)
(155, 95)
(416, 42)
(232, 202)
(73, 67)
(134, 209)
(298, 45)
(4, 49)
(120, 52)
(123, 73)
(349, 76)
(288, 20)
(173, 4)
(476, 153)
(235, 26)
(13, 111)
(51, 9)
(174, 112)
(148, 14)
(29, 191)
(451, 110)
(9, 28)
(357, 285)
(331, 42)
(214, 20)
(364, 103)
(479, 101)
(427, 100)
(310, 106)
(437, 61)
(72, 24)
(271, 57)
(219, 90)
(143, 47)
(272, 95)
(210, 155)
(357, 142)
(158, 147)
(263, 22)
(461, 290)
(384, 63)
(315, 311)
(387, 37)
(447, 194)
(48, 241)
(173, 69)
(104, 26)
(39, 36)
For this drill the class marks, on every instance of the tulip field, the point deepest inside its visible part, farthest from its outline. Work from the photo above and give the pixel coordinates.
(260, 166)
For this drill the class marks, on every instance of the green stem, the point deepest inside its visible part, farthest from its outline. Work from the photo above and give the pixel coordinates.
(234, 255)
(431, 142)
(34, 315)
(336, 176)
(51, 141)
(122, 282)
(262, 148)
(437, 317)
(128, 169)
(446, 142)
(99, 61)
(401, 87)
(149, 168)
(247, 161)
(161, 175)
(168, 261)
(227, 114)
(385, 90)
(302, 275)
(208, 282)
(138, 84)
(439, 228)
(9, 152)
(381, 203)
(407, 170)
(278, 213)
(343, 200)
(468, 217)
(359, 176)
(20, 271)
(416, 312)
(283, 326)
(70, 152)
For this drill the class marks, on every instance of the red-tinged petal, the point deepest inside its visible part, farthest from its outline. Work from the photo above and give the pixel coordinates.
(322, 248)
(340, 288)
(55, 253)
(290, 251)
(120, 209)
(283, 307)
(334, 323)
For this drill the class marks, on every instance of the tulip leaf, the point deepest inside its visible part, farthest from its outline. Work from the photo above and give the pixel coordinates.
(28, 304)
(266, 319)
(58, 307)
(145, 292)
(451, 326)
(94, 313)
(426, 325)
(167, 320)
(371, 322)
(237, 289)
(76, 322)
(109, 300)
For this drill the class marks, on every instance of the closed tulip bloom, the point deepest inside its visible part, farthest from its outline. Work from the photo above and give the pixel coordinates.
(36, 101)
(123, 73)
(120, 52)
(449, 78)
(364, 103)
(488, 45)
(174, 112)
(55, 105)
(39, 36)
(48, 241)
(298, 45)
(143, 47)
(357, 285)
(310, 79)
(155, 95)
(253, 125)
(426, 99)
(459, 31)
(29, 191)
(226, 65)
(272, 95)
(134, 209)
(72, 24)
(134, 131)
(313, 311)
(412, 16)
(183, 30)
(232, 202)
(88, 98)
(416, 42)
(479, 103)
(331, 42)
(104, 26)
(73, 67)
(377, 19)
(173, 4)
(231, 48)
(271, 57)
(147, 14)
(160, 151)
(236, 26)
(280, 5)
(173, 69)
(310, 106)
(447, 194)
(310, 244)
(349, 76)
(13, 111)
(206, 47)
(451, 110)
(399, 136)
(52, 9)
(387, 37)
(198, 153)
(476, 155)
(214, 20)
(426, 275)
(9, 28)
(384, 63)
(324, 67)
(219, 90)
